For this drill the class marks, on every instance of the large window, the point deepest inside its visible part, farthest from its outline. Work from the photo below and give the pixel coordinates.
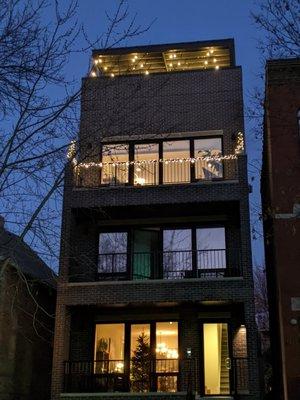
(147, 171)
(211, 248)
(208, 169)
(175, 169)
(177, 253)
(109, 348)
(151, 350)
(115, 167)
(112, 253)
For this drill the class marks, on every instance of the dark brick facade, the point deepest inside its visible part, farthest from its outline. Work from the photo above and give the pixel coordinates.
(136, 107)
(281, 199)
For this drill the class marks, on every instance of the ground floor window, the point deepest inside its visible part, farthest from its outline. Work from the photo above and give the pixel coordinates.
(152, 356)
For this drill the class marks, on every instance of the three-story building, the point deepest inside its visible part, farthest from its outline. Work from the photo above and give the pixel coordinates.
(155, 298)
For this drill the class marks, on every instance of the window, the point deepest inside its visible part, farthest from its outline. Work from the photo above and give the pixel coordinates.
(176, 172)
(115, 169)
(140, 358)
(211, 248)
(208, 147)
(146, 173)
(112, 253)
(109, 348)
(166, 356)
(177, 253)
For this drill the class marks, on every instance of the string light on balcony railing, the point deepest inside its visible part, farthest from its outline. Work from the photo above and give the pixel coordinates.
(240, 145)
(163, 161)
(71, 153)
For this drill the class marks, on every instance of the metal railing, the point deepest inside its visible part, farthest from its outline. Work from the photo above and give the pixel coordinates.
(155, 173)
(160, 375)
(212, 263)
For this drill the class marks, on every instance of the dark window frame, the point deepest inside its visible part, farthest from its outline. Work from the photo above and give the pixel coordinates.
(131, 155)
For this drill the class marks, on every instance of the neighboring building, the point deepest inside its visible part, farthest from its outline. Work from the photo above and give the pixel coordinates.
(281, 212)
(155, 291)
(26, 331)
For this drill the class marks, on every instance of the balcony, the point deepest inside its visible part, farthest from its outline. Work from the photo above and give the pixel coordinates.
(160, 375)
(204, 264)
(155, 172)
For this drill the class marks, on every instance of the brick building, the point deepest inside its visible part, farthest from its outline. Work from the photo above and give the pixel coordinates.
(155, 295)
(281, 211)
(27, 306)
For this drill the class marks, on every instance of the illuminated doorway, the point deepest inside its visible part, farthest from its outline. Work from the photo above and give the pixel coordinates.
(217, 362)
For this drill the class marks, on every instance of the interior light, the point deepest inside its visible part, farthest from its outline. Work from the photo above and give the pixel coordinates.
(205, 62)
(215, 60)
(105, 68)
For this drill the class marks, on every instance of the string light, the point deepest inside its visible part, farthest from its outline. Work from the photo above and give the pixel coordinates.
(146, 72)
(93, 74)
(112, 75)
(217, 67)
(240, 145)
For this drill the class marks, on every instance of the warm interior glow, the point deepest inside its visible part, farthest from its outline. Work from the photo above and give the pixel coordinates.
(215, 355)
(109, 348)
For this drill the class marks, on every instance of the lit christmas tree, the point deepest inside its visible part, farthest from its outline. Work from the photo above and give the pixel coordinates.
(140, 365)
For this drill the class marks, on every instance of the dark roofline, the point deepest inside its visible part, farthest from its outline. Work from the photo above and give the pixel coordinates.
(169, 46)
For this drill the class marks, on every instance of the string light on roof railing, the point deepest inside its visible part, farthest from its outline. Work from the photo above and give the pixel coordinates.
(93, 74)
(205, 62)
(146, 72)
(217, 67)
(112, 75)
(211, 51)
(207, 54)
(179, 63)
(142, 65)
(215, 60)
(240, 145)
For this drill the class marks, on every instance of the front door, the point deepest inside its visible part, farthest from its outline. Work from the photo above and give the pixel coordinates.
(216, 359)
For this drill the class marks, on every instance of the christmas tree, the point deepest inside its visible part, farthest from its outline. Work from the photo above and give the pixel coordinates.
(140, 365)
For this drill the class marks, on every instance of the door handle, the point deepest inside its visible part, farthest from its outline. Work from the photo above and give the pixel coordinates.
(228, 363)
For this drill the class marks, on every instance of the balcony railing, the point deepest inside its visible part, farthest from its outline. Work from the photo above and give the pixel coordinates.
(116, 376)
(155, 173)
(159, 375)
(214, 263)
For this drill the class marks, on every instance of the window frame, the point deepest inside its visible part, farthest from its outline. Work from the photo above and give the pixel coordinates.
(131, 156)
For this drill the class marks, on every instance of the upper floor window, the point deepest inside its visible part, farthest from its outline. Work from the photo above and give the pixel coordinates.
(112, 253)
(208, 147)
(174, 172)
(115, 159)
(146, 173)
(165, 162)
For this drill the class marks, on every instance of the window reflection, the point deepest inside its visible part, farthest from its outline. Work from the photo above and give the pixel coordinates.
(211, 248)
(176, 172)
(109, 348)
(146, 173)
(177, 253)
(115, 174)
(112, 252)
(209, 147)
